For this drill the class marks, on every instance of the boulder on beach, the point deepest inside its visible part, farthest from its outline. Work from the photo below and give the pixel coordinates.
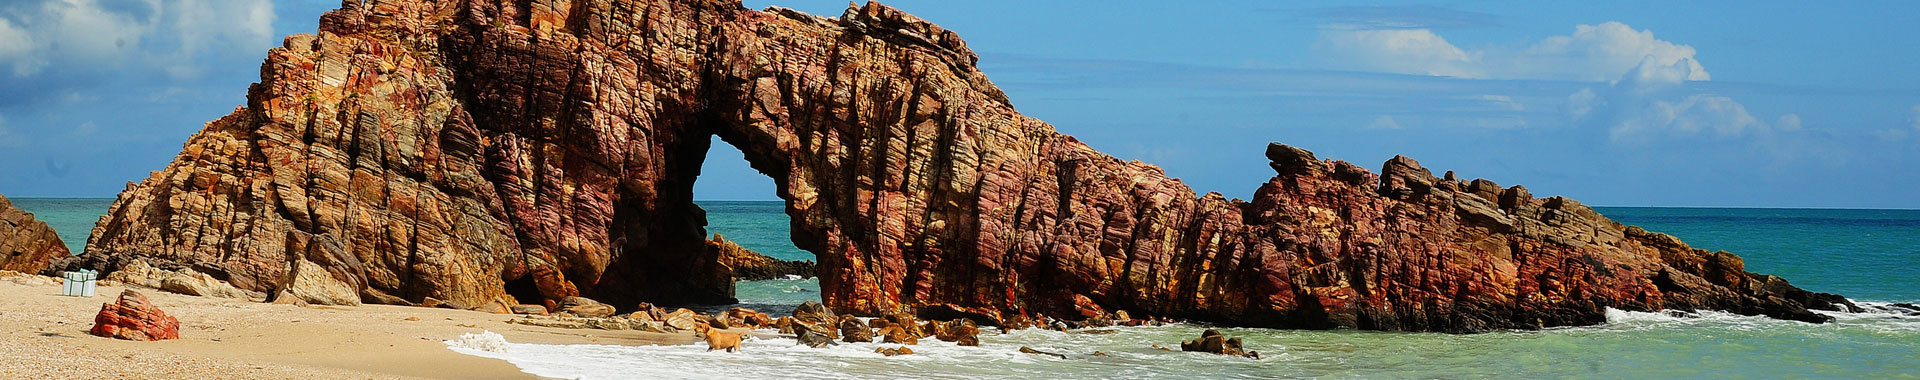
(683, 319)
(529, 309)
(745, 317)
(585, 307)
(131, 317)
(179, 281)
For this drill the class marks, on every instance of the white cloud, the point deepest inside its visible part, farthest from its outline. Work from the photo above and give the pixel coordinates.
(1594, 53)
(1383, 122)
(1504, 102)
(168, 34)
(1652, 100)
(1692, 115)
(1403, 51)
(1602, 52)
(1788, 122)
(14, 43)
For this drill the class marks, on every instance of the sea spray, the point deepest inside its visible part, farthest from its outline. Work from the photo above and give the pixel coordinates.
(487, 341)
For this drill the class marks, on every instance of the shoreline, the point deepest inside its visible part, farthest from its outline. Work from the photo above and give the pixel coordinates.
(45, 336)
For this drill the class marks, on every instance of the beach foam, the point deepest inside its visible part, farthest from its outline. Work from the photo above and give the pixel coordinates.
(486, 341)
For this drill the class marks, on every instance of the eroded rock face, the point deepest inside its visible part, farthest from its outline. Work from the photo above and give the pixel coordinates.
(452, 148)
(27, 245)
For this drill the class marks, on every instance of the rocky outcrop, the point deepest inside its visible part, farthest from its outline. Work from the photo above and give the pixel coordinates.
(183, 281)
(471, 150)
(1212, 341)
(27, 245)
(747, 265)
(131, 317)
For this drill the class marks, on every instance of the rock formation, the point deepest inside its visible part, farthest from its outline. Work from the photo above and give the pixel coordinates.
(747, 265)
(131, 317)
(1212, 341)
(27, 245)
(473, 150)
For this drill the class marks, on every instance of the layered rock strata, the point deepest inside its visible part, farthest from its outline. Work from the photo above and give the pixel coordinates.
(481, 150)
(27, 245)
(747, 265)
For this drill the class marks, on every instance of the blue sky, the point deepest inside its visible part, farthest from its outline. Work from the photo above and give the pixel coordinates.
(1759, 104)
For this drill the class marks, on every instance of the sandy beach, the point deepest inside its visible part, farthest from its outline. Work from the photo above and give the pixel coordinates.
(43, 334)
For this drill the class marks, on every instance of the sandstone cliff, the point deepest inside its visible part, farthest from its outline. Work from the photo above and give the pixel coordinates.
(456, 149)
(27, 245)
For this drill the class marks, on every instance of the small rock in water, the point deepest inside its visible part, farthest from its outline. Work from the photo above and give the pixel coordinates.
(1030, 350)
(1101, 354)
(852, 330)
(898, 334)
(961, 331)
(892, 351)
(807, 335)
(1214, 342)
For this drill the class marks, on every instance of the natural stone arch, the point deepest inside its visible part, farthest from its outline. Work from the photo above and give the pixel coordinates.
(417, 149)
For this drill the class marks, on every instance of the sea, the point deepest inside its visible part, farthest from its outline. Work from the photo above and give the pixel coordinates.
(1872, 256)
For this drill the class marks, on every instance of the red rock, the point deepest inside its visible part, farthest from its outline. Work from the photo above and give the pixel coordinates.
(747, 265)
(748, 317)
(961, 331)
(852, 330)
(27, 245)
(131, 317)
(459, 152)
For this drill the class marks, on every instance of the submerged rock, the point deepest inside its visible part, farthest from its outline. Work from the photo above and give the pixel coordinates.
(552, 149)
(1030, 350)
(893, 351)
(131, 317)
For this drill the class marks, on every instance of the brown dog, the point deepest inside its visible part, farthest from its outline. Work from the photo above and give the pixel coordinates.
(717, 340)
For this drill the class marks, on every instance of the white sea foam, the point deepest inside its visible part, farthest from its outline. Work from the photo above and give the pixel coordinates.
(486, 341)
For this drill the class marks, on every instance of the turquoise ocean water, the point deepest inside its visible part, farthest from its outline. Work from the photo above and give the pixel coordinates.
(1868, 255)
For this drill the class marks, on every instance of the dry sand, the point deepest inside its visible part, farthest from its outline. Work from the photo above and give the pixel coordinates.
(44, 335)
